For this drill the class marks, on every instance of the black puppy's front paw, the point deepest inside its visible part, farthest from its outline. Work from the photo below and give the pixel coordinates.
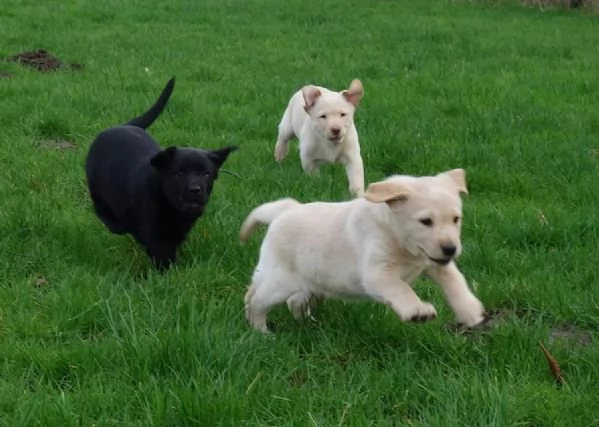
(162, 258)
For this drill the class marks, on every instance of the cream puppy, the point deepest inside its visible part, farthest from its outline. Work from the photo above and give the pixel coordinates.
(372, 247)
(323, 122)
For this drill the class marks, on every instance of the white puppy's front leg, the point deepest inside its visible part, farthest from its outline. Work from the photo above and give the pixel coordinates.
(354, 168)
(308, 162)
(385, 287)
(468, 309)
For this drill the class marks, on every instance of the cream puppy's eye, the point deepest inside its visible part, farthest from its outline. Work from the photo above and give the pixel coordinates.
(343, 114)
(427, 222)
(324, 116)
(456, 219)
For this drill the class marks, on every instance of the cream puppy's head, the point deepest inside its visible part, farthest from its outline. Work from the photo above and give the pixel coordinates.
(332, 113)
(425, 213)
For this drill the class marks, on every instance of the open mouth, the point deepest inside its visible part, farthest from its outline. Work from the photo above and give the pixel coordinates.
(194, 207)
(440, 261)
(335, 139)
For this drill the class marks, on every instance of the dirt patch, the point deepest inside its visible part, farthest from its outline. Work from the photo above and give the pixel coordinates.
(492, 319)
(42, 60)
(570, 334)
(59, 144)
(5, 75)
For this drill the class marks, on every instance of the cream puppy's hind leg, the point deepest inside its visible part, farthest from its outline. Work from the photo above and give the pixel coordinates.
(266, 291)
(301, 304)
(285, 134)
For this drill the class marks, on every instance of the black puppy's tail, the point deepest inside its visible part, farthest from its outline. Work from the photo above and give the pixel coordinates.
(147, 118)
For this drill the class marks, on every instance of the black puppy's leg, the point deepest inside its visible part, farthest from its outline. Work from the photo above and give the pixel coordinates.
(162, 255)
(106, 216)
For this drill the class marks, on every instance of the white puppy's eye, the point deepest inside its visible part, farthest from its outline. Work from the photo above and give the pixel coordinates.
(456, 219)
(324, 116)
(427, 221)
(343, 114)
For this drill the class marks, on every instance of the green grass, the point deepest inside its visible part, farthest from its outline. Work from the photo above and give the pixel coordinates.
(510, 94)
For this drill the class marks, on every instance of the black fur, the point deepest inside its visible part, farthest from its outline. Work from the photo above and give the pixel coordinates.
(155, 195)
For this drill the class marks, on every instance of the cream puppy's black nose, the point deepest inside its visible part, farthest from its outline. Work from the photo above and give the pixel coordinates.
(448, 250)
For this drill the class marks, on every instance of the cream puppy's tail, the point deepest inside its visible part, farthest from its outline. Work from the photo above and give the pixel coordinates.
(264, 214)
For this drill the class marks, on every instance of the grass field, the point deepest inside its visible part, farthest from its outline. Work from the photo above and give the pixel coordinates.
(90, 335)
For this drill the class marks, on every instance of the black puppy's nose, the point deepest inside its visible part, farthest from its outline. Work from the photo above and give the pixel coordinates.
(194, 189)
(335, 130)
(448, 250)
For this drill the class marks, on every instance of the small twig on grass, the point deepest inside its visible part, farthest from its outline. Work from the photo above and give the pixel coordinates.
(553, 365)
(231, 173)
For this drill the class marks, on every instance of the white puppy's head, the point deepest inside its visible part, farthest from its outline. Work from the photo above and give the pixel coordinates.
(425, 212)
(332, 113)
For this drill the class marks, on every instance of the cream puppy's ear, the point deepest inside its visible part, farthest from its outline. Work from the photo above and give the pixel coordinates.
(354, 94)
(387, 191)
(311, 94)
(457, 177)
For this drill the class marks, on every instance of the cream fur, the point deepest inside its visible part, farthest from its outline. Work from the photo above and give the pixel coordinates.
(372, 247)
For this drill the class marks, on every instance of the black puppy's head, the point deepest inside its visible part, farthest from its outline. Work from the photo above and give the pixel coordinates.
(186, 176)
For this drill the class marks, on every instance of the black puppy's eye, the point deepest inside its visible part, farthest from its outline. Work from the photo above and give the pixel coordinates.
(324, 116)
(456, 219)
(427, 222)
(204, 174)
(179, 174)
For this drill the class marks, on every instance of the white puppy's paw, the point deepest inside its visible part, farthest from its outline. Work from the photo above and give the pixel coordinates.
(420, 312)
(470, 311)
(281, 150)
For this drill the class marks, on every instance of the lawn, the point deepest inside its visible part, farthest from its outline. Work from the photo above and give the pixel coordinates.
(91, 335)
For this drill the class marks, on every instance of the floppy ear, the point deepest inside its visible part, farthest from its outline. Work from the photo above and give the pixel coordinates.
(219, 156)
(311, 94)
(163, 158)
(386, 191)
(458, 178)
(354, 93)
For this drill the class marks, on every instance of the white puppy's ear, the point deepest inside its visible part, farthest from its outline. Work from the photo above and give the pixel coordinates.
(456, 177)
(387, 191)
(354, 94)
(311, 94)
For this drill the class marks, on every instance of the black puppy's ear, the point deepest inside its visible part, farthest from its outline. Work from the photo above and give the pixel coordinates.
(219, 156)
(162, 159)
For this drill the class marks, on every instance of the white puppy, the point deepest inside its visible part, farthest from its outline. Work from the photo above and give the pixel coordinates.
(373, 247)
(323, 122)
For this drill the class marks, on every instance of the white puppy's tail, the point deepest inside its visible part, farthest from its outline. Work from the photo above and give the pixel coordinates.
(264, 214)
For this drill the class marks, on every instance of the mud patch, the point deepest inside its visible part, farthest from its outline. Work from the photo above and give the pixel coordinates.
(56, 144)
(570, 334)
(42, 60)
(492, 319)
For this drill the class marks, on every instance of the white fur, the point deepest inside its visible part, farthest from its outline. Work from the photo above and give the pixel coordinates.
(373, 247)
(313, 115)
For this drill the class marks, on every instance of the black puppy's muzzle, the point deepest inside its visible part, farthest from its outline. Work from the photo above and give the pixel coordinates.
(195, 199)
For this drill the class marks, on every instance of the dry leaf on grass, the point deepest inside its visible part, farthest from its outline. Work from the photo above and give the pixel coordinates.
(553, 365)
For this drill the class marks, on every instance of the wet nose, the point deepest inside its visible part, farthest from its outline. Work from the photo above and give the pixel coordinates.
(335, 130)
(448, 250)
(195, 189)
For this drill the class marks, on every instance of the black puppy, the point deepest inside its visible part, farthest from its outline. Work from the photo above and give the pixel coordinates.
(155, 195)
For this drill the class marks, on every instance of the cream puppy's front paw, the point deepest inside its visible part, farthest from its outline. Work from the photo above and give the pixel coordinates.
(280, 151)
(470, 311)
(420, 312)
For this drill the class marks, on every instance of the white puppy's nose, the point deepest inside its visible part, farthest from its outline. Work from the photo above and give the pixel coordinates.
(448, 250)
(335, 130)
